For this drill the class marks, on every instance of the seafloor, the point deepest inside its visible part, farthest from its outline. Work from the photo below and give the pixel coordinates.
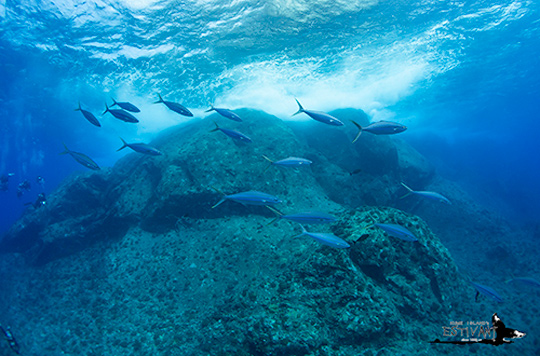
(132, 260)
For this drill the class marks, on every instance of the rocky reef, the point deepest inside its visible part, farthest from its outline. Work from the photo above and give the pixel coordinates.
(133, 260)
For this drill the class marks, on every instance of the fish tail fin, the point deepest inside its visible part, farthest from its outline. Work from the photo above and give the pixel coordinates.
(269, 160)
(160, 99)
(124, 146)
(273, 221)
(222, 199)
(359, 132)
(79, 108)
(106, 109)
(274, 210)
(219, 203)
(304, 231)
(217, 127)
(114, 102)
(409, 191)
(509, 279)
(217, 190)
(300, 108)
(66, 151)
(211, 107)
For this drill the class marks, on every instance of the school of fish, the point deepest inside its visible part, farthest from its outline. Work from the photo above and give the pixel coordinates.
(269, 201)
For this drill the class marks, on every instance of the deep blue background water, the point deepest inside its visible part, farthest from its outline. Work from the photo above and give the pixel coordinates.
(463, 76)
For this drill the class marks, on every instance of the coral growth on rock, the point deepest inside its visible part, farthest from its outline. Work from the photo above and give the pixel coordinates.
(133, 260)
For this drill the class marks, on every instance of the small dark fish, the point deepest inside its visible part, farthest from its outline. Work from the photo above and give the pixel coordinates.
(308, 217)
(356, 171)
(325, 238)
(141, 148)
(237, 135)
(319, 116)
(249, 198)
(81, 158)
(397, 231)
(121, 115)
(526, 281)
(182, 110)
(288, 162)
(89, 116)
(225, 113)
(380, 128)
(426, 194)
(126, 106)
(487, 291)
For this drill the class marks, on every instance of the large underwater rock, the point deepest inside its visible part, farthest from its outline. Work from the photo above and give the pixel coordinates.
(133, 260)
(367, 172)
(157, 192)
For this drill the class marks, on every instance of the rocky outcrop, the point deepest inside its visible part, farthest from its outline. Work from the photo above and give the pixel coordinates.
(157, 192)
(136, 258)
(236, 285)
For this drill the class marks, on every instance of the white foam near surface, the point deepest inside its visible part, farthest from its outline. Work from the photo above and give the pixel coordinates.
(2, 8)
(272, 87)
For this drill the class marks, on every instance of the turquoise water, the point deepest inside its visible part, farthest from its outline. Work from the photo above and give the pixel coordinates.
(462, 76)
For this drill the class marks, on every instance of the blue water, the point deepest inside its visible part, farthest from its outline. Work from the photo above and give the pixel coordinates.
(463, 76)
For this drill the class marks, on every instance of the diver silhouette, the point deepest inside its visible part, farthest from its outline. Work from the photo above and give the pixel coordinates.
(41, 200)
(501, 331)
(4, 181)
(13, 344)
(24, 186)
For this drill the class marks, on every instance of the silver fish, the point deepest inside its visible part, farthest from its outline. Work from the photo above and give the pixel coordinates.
(325, 238)
(426, 194)
(288, 162)
(237, 135)
(225, 113)
(81, 158)
(121, 115)
(487, 291)
(126, 106)
(251, 197)
(397, 231)
(89, 116)
(380, 128)
(526, 281)
(182, 110)
(141, 148)
(318, 116)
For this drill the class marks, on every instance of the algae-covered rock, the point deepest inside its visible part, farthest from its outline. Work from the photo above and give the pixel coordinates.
(140, 261)
(367, 172)
(236, 285)
(158, 191)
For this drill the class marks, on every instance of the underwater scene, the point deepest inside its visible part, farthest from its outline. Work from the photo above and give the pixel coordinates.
(281, 177)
